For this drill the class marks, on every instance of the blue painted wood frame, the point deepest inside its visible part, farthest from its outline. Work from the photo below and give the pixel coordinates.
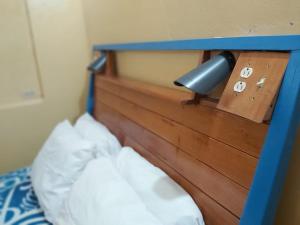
(280, 43)
(90, 97)
(270, 173)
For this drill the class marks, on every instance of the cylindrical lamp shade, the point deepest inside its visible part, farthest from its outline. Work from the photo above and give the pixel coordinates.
(208, 75)
(97, 65)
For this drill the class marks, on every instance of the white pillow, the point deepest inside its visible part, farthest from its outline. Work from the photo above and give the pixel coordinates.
(90, 129)
(58, 165)
(102, 197)
(162, 196)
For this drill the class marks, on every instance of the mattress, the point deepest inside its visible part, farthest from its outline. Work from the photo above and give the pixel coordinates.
(18, 202)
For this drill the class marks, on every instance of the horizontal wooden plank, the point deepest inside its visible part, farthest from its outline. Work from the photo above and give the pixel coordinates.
(213, 213)
(222, 189)
(169, 94)
(225, 127)
(227, 160)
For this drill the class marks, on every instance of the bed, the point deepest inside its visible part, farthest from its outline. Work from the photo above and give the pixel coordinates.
(18, 202)
(222, 160)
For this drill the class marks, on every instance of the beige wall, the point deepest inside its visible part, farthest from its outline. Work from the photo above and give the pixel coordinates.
(17, 57)
(111, 21)
(289, 209)
(44, 52)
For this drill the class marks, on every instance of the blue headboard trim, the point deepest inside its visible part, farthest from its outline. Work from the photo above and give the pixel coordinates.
(270, 173)
(90, 97)
(282, 43)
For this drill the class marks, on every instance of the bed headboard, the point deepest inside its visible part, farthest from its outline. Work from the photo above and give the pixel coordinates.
(199, 146)
(211, 153)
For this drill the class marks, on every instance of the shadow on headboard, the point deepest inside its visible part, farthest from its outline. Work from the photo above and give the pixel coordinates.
(210, 153)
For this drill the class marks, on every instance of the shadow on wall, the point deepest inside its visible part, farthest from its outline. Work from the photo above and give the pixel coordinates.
(288, 205)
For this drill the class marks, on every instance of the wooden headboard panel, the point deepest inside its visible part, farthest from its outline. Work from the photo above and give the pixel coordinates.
(210, 153)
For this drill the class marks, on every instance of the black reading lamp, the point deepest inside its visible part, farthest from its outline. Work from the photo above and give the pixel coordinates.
(205, 77)
(95, 67)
